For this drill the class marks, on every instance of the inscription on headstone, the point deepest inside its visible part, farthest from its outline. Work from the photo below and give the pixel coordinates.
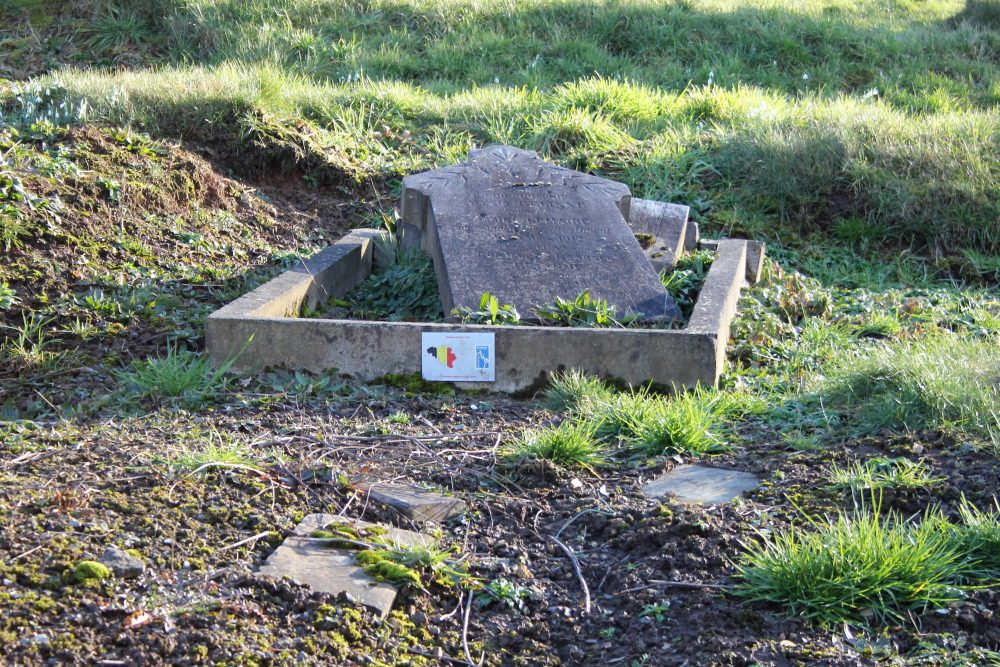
(509, 223)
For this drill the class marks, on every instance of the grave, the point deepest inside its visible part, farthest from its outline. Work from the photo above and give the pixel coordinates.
(526, 231)
(702, 485)
(264, 328)
(312, 563)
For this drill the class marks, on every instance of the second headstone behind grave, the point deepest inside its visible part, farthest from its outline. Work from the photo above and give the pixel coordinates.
(526, 231)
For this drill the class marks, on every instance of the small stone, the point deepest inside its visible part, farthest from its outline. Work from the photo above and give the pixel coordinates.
(122, 563)
(918, 449)
(702, 484)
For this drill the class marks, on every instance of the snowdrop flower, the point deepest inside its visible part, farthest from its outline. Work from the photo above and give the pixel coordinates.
(873, 92)
(805, 76)
(711, 77)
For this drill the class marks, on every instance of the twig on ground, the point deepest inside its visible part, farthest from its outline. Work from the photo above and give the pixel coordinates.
(24, 555)
(576, 568)
(244, 541)
(465, 632)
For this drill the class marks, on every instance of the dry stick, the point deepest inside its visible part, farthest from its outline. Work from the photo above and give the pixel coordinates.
(576, 568)
(465, 631)
(242, 542)
(24, 555)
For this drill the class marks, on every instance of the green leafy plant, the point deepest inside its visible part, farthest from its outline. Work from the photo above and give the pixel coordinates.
(8, 297)
(583, 311)
(403, 290)
(571, 444)
(505, 592)
(656, 611)
(490, 312)
(684, 423)
(684, 282)
(403, 564)
(881, 473)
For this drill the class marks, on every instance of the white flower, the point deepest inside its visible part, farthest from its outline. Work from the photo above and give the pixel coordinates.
(805, 76)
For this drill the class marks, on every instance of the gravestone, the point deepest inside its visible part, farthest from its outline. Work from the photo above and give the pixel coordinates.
(526, 231)
(666, 224)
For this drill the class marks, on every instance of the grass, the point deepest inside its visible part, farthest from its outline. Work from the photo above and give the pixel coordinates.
(178, 375)
(772, 119)
(855, 569)
(571, 444)
(939, 382)
(882, 473)
(572, 390)
(225, 452)
(873, 567)
(687, 422)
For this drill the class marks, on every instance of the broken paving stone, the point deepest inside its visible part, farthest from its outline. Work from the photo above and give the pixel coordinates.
(122, 563)
(415, 503)
(704, 485)
(328, 570)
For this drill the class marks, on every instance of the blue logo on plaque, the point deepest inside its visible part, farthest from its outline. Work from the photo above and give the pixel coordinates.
(482, 356)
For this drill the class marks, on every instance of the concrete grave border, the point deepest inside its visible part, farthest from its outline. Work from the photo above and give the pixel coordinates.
(525, 355)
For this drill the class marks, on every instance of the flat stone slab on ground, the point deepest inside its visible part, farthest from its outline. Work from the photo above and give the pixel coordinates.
(328, 570)
(667, 223)
(413, 502)
(704, 485)
(509, 223)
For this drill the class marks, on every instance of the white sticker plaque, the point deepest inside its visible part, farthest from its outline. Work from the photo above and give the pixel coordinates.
(458, 356)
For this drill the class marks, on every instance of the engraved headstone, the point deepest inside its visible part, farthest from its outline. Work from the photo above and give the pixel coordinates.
(509, 223)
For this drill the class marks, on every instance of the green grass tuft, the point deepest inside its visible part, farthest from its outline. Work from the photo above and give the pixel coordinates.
(855, 569)
(882, 473)
(571, 444)
(573, 390)
(179, 375)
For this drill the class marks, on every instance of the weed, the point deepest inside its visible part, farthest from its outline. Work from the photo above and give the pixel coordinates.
(657, 611)
(405, 289)
(584, 311)
(571, 444)
(29, 346)
(398, 417)
(221, 450)
(8, 297)
(682, 424)
(881, 473)
(684, 282)
(978, 537)
(490, 312)
(407, 564)
(180, 375)
(505, 592)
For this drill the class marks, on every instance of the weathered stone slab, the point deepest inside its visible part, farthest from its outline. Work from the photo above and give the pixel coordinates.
(666, 223)
(692, 236)
(755, 257)
(327, 570)
(703, 485)
(509, 223)
(413, 502)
